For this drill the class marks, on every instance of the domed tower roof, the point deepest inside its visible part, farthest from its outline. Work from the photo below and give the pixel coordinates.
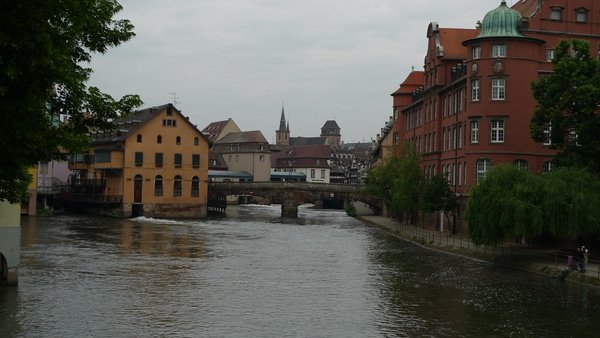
(501, 22)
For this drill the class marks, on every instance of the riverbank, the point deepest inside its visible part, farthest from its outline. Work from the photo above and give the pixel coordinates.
(544, 262)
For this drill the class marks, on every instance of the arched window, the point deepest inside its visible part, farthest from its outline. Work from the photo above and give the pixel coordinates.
(483, 166)
(521, 164)
(159, 139)
(178, 140)
(158, 186)
(196, 141)
(139, 138)
(195, 186)
(177, 186)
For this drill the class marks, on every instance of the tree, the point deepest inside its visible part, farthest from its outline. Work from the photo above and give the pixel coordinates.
(506, 205)
(567, 110)
(572, 202)
(407, 187)
(437, 195)
(380, 179)
(44, 48)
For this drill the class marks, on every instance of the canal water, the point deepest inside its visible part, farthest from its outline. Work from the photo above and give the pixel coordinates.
(254, 274)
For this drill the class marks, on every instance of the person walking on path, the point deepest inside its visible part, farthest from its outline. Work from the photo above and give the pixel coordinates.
(585, 254)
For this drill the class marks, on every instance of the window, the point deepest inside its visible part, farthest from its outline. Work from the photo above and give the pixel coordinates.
(139, 158)
(230, 158)
(396, 139)
(158, 160)
(499, 51)
(312, 173)
(556, 13)
(547, 133)
(483, 165)
(581, 15)
(139, 138)
(196, 141)
(520, 164)
(261, 147)
(547, 166)
(475, 131)
(195, 186)
(498, 89)
(159, 139)
(177, 160)
(195, 161)
(549, 54)
(476, 52)
(460, 173)
(169, 123)
(497, 131)
(322, 174)
(43, 168)
(158, 186)
(261, 158)
(475, 92)
(102, 157)
(177, 186)
(178, 140)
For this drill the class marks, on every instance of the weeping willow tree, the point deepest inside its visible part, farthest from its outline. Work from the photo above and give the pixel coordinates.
(511, 204)
(572, 202)
(505, 205)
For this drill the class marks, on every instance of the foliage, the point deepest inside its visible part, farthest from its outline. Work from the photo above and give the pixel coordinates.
(380, 179)
(437, 195)
(505, 205)
(572, 202)
(397, 180)
(568, 100)
(407, 187)
(511, 204)
(44, 48)
(351, 210)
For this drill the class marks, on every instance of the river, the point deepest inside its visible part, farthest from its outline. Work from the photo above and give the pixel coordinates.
(254, 274)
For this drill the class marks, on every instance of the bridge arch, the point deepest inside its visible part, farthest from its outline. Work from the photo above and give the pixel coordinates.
(3, 269)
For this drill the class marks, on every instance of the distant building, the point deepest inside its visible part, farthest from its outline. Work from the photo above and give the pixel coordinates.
(330, 135)
(312, 162)
(154, 164)
(217, 130)
(246, 151)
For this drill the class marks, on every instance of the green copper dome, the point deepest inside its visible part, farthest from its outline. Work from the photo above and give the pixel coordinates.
(501, 22)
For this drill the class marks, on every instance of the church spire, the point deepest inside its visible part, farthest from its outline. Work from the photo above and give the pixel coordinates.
(282, 121)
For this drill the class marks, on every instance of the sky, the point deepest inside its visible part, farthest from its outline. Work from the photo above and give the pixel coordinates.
(245, 59)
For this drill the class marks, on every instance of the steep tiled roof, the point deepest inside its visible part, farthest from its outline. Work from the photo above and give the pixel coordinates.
(302, 157)
(214, 129)
(304, 141)
(413, 81)
(330, 124)
(452, 38)
(254, 136)
(216, 161)
(126, 126)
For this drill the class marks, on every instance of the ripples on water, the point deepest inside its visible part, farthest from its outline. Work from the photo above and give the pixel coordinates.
(254, 274)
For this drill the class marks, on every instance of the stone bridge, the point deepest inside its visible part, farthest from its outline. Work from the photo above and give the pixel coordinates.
(291, 194)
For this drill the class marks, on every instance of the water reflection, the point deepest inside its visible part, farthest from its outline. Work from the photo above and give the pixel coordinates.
(254, 274)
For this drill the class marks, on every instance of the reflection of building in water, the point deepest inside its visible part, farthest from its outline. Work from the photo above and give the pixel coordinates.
(168, 240)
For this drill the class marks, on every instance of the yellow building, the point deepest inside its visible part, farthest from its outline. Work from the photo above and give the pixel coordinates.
(154, 164)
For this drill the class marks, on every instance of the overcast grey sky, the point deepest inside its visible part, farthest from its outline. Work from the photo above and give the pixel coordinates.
(326, 59)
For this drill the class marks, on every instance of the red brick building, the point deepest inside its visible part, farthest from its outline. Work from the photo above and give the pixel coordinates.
(475, 103)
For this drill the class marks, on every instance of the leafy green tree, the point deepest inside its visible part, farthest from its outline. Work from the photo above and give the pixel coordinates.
(506, 205)
(381, 179)
(437, 195)
(572, 202)
(407, 187)
(44, 49)
(568, 102)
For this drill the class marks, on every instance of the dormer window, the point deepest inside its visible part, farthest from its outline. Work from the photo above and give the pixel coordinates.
(581, 14)
(556, 13)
